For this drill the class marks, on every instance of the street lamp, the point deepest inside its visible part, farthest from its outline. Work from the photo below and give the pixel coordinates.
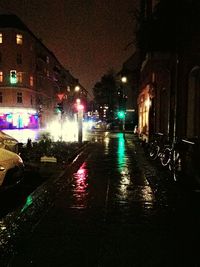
(124, 79)
(80, 108)
(77, 88)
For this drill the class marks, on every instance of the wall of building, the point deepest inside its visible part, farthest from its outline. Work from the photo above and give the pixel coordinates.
(40, 78)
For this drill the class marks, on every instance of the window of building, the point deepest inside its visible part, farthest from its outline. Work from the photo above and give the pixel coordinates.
(31, 100)
(47, 59)
(1, 76)
(19, 39)
(19, 58)
(19, 77)
(1, 97)
(1, 38)
(31, 80)
(19, 97)
(13, 76)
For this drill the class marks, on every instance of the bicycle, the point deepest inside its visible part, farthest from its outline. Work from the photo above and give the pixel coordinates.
(168, 154)
(156, 146)
(171, 157)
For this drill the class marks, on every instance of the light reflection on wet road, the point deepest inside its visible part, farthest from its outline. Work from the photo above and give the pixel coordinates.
(112, 166)
(108, 216)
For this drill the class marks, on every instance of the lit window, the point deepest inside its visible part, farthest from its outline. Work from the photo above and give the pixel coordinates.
(19, 58)
(1, 38)
(1, 76)
(19, 39)
(19, 97)
(13, 76)
(1, 97)
(19, 77)
(31, 80)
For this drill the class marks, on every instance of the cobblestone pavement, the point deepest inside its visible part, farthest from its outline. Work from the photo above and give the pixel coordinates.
(112, 208)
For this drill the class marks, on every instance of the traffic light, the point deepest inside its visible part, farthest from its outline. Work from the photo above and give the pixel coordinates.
(59, 108)
(13, 76)
(121, 114)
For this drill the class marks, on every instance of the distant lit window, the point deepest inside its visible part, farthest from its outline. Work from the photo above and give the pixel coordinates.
(47, 59)
(47, 73)
(13, 76)
(1, 76)
(19, 39)
(19, 97)
(1, 97)
(31, 80)
(19, 77)
(1, 38)
(19, 58)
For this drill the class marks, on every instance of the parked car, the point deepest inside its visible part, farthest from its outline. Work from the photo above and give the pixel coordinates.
(11, 168)
(8, 142)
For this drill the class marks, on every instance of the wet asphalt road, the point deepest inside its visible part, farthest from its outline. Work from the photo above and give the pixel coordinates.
(109, 213)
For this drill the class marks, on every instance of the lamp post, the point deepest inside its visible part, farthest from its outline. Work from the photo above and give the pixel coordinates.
(80, 109)
(122, 101)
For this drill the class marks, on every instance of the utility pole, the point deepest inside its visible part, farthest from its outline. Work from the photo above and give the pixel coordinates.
(80, 109)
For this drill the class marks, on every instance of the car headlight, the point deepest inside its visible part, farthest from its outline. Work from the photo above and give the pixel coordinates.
(2, 168)
(20, 160)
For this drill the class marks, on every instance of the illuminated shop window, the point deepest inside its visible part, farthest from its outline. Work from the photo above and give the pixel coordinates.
(19, 97)
(19, 77)
(1, 97)
(1, 76)
(1, 38)
(13, 76)
(19, 39)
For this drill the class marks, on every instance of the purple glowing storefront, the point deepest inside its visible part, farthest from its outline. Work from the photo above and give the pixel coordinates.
(18, 118)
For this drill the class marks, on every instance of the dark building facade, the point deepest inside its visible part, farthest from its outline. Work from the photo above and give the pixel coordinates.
(168, 100)
(128, 79)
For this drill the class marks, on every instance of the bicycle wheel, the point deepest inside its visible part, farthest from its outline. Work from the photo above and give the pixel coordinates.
(165, 157)
(154, 150)
(175, 165)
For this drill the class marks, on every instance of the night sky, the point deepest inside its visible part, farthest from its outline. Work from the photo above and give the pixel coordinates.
(88, 37)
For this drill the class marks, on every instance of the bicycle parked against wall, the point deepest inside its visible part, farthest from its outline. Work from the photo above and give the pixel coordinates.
(167, 153)
(156, 146)
(172, 158)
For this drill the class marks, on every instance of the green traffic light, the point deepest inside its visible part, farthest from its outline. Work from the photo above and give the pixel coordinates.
(121, 114)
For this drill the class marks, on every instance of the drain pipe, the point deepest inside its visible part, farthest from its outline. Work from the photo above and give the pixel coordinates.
(175, 96)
